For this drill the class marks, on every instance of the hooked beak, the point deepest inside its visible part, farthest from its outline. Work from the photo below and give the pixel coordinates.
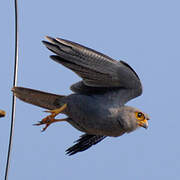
(143, 123)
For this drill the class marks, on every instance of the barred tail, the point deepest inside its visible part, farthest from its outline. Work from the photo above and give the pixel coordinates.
(38, 98)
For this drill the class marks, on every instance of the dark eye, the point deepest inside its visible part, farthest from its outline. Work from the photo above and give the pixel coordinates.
(139, 115)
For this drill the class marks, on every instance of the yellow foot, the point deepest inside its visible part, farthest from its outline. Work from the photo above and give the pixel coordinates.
(51, 118)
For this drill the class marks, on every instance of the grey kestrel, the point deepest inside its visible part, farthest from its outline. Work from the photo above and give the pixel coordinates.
(97, 104)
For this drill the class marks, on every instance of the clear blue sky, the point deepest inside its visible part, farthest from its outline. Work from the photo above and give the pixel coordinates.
(146, 34)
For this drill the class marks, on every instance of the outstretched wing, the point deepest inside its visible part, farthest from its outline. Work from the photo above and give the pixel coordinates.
(98, 71)
(84, 142)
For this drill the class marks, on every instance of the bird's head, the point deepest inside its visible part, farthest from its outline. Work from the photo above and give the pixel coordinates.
(141, 119)
(133, 118)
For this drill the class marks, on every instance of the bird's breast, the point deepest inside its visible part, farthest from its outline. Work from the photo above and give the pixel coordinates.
(93, 116)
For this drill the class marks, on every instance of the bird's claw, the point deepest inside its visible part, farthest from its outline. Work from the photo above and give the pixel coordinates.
(51, 118)
(43, 129)
(47, 121)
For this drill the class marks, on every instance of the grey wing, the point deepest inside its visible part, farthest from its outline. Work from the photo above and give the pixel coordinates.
(97, 70)
(84, 142)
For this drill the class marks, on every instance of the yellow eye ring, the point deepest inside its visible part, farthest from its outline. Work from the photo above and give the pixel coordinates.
(140, 116)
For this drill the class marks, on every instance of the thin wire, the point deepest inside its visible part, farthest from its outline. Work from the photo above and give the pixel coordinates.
(14, 84)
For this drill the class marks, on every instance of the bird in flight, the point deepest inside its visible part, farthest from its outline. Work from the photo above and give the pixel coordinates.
(97, 104)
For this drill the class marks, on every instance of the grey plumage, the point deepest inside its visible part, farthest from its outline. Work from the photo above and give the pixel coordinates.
(97, 105)
(38, 98)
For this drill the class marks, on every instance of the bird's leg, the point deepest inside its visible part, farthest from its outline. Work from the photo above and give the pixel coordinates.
(51, 118)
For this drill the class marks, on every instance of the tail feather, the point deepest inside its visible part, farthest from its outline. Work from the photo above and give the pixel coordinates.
(38, 98)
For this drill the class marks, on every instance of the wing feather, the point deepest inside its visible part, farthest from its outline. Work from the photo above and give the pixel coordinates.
(96, 69)
(84, 142)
